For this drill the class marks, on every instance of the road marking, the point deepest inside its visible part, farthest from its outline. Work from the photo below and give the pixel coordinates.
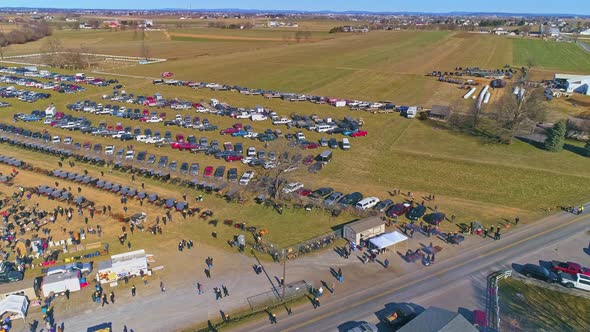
(415, 281)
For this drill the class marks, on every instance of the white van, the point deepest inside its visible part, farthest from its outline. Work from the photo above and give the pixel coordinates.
(324, 128)
(367, 203)
(345, 144)
(258, 117)
(214, 102)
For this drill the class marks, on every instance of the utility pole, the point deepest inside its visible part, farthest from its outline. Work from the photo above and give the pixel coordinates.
(284, 274)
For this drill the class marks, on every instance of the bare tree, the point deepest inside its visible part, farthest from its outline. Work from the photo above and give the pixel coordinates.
(288, 163)
(3, 44)
(517, 112)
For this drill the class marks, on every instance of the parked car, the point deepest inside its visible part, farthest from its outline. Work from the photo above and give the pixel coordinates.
(367, 203)
(569, 267)
(333, 198)
(292, 187)
(580, 281)
(416, 212)
(383, 205)
(246, 177)
(351, 199)
(208, 171)
(321, 192)
(539, 272)
(9, 273)
(398, 210)
(194, 169)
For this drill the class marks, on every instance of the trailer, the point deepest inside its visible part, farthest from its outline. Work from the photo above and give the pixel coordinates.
(470, 93)
(121, 266)
(59, 283)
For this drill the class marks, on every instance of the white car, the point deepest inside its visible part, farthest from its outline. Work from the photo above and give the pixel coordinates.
(55, 139)
(141, 138)
(247, 160)
(109, 150)
(119, 134)
(69, 125)
(269, 165)
(129, 155)
(281, 121)
(154, 119)
(47, 121)
(154, 140)
(68, 140)
(246, 177)
(292, 187)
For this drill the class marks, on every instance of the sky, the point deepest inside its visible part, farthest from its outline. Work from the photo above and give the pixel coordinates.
(581, 7)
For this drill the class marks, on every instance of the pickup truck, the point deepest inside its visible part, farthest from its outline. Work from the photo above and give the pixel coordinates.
(84, 268)
(570, 267)
(580, 281)
(9, 273)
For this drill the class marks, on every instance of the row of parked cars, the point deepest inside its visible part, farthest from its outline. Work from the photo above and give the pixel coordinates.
(79, 78)
(292, 97)
(22, 95)
(569, 274)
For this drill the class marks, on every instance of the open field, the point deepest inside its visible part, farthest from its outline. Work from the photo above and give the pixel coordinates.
(471, 179)
(551, 55)
(525, 307)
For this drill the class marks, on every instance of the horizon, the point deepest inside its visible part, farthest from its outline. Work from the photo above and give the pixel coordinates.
(377, 6)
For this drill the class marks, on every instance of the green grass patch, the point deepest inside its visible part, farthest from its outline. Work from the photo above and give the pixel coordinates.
(551, 55)
(525, 307)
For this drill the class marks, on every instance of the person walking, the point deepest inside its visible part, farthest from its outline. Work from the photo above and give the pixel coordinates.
(492, 229)
(217, 293)
(112, 297)
(386, 263)
(485, 233)
(273, 318)
(516, 220)
(200, 288)
(225, 291)
(67, 294)
(162, 287)
(104, 299)
(207, 273)
(133, 290)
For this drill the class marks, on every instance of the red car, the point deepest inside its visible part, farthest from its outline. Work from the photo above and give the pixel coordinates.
(308, 160)
(229, 131)
(144, 119)
(310, 145)
(166, 74)
(208, 171)
(359, 133)
(398, 210)
(233, 158)
(184, 146)
(304, 192)
(570, 267)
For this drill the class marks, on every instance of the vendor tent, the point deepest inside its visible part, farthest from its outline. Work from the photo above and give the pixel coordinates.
(16, 304)
(388, 239)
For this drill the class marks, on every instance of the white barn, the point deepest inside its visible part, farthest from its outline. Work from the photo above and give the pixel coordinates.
(573, 83)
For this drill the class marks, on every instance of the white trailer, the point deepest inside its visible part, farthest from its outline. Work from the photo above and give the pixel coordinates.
(258, 117)
(470, 93)
(59, 283)
(340, 103)
(122, 265)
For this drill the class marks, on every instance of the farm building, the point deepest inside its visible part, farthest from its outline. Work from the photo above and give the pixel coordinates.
(363, 229)
(573, 83)
(440, 112)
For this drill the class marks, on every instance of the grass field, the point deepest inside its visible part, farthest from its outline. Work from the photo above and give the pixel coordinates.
(525, 307)
(551, 55)
(472, 180)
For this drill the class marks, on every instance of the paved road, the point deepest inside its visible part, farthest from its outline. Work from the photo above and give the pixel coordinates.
(450, 283)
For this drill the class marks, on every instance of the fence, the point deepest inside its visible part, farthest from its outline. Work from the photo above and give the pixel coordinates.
(275, 296)
(292, 251)
(493, 298)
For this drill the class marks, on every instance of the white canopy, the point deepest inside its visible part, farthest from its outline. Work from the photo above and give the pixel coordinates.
(388, 239)
(16, 304)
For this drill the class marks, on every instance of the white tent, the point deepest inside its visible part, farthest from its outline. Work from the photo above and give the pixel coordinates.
(16, 304)
(388, 239)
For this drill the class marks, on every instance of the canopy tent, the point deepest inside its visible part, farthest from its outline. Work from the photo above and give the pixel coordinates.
(388, 239)
(16, 304)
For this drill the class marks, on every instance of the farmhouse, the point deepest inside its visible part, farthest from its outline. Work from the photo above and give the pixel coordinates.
(573, 83)
(585, 32)
(363, 229)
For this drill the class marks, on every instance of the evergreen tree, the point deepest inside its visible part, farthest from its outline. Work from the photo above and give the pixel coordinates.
(588, 149)
(555, 137)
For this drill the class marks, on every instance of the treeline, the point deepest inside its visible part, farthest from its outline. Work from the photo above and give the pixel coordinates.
(337, 29)
(56, 55)
(492, 23)
(24, 33)
(222, 25)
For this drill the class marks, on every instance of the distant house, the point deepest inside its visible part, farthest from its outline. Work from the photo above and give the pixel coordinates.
(573, 83)
(585, 32)
(440, 112)
(436, 319)
(554, 32)
(111, 24)
(500, 31)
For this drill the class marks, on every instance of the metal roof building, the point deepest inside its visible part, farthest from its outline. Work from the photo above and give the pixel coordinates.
(436, 319)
